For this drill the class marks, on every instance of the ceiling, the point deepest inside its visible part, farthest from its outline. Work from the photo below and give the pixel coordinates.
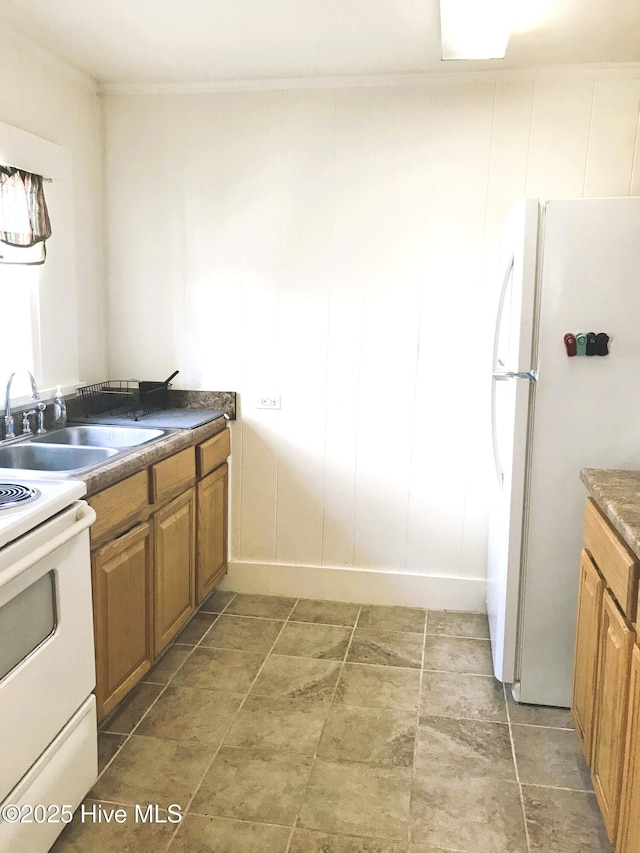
(143, 42)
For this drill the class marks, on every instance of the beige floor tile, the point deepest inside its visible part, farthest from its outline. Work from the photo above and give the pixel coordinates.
(457, 624)
(357, 799)
(243, 633)
(326, 612)
(372, 735)
(87, 834)
(200, 834)
(297, 678)
(267, 606)
(312, 841)
(132, 709)
(458, 749)
(306, 753)
(260, 785)
(217, 601)
(108, 745)
(564, 821)
(191, 714)
(458, 654)
(386, 648)
(266, 722)
(386, 618)
(150, 770)
(373, 686)
(219, 669)
(480, 815)
(163, 671)
(463, 696)
(306, 640)
(538, 715)
(550, 757)
(196, 628)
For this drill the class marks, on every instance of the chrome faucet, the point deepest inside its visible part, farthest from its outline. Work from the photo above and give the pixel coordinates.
(9, 430)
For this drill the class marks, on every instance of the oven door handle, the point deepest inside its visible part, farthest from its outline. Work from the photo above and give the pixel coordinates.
(84, 518)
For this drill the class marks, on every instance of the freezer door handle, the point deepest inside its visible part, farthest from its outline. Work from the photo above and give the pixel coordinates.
(530, 375)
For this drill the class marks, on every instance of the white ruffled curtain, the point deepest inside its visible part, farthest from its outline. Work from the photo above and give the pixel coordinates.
(24, 218)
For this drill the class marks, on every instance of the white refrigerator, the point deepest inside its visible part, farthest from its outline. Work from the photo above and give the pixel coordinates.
(570, 267)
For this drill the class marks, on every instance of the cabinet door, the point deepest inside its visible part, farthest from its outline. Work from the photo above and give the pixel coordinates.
(614, 662)
(586, 651)
(174, 553)
(212, 530)
(122, 603)
(629, 828)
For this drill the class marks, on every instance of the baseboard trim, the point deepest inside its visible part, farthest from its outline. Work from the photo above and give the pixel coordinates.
(365, 586)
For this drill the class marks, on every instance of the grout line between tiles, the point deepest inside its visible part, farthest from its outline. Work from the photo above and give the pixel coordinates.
(417, 735)
(315, 754)
(515, 766)
(232, 721)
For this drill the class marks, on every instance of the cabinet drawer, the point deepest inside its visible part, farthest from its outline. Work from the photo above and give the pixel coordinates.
(213, 452)
(120, 506)
(172, 475)
(617, 563)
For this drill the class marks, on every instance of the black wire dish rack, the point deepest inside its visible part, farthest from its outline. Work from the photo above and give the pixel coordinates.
(127, 397)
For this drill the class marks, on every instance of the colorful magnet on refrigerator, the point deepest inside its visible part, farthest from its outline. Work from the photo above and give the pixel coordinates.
(602, 341)
(581, 343)
(570, 343)
(591, 343)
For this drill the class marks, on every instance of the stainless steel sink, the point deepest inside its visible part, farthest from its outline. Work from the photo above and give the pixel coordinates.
(55, 458)
(100, 436)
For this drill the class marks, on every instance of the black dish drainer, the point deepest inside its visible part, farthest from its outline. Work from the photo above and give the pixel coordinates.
(122, 397)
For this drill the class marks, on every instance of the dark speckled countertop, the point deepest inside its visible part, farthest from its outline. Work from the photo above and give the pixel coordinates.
(617, 493)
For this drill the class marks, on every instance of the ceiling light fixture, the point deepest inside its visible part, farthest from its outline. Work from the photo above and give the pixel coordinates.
(474, 29)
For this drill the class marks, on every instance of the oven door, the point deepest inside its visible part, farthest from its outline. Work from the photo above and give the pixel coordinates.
(47, 667)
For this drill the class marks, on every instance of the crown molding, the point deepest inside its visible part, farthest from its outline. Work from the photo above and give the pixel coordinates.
(593, 71)
(24, 42)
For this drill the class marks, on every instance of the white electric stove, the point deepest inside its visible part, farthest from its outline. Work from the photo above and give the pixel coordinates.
(48, 738)
(25, 503)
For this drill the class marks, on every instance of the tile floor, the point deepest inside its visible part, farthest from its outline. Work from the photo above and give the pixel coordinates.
(284, 725)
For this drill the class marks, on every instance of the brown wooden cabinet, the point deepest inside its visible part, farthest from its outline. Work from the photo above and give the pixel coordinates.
(604, 640)
(629, 823)
(174, 532)
(159, 546)
(586, 653)
(123, 611)
(612, 696)
(212, 500)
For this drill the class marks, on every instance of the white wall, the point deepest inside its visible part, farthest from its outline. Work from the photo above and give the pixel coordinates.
(338, 246)
(45, 97)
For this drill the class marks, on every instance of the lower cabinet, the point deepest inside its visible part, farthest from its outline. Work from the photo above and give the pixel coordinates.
(174, 530)
(629, 827)
(212, 500)
(159, 547)
(586, 654)
(605, 638)
(612, 697)
(122, 605)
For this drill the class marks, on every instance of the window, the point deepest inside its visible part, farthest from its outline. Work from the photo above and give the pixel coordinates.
(20, 339)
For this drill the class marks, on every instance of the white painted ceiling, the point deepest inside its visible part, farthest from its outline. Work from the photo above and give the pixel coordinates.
(142, 42)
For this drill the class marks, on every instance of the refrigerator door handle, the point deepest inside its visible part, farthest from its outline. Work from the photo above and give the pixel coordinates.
(494, 436)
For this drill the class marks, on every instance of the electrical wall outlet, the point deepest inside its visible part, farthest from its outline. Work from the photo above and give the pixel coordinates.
(269, 401)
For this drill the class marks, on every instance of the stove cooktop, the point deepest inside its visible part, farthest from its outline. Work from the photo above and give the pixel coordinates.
(25, 503)
(15, 494)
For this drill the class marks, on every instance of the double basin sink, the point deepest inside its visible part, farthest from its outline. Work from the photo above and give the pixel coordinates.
(75, 448)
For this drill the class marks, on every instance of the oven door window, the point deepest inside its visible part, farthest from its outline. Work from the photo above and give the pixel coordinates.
(26, 621)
